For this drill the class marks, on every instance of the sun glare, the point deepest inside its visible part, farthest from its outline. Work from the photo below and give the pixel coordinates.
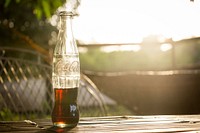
(129, 21)
(109, 49)
(165, 47)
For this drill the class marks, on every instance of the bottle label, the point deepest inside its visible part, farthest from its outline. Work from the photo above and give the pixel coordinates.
(66, 71)
(66, 65)
(63, 67)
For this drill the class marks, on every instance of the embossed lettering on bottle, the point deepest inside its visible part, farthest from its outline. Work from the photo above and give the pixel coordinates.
(67, 71)
(66, 65)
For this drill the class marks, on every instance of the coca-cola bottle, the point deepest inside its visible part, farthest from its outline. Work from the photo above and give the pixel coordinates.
(65, 75)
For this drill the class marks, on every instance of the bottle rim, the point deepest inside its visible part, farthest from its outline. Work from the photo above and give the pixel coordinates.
(67, 13)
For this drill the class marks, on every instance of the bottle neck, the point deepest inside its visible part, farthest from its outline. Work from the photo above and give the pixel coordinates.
(66, 43)
(66, 27)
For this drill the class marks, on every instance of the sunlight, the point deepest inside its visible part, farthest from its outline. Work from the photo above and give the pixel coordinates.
(165, 47)
(109, 49)
(82, 50)
(129, 21)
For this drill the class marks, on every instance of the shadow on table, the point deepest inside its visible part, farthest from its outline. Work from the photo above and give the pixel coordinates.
(56, 130)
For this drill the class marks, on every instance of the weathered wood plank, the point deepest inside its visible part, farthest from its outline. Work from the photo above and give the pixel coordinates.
(171, 123)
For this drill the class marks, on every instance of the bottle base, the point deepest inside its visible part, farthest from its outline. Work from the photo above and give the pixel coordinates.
(64, 125)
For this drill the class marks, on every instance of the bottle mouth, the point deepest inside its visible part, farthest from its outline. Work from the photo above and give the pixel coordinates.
(67, 13)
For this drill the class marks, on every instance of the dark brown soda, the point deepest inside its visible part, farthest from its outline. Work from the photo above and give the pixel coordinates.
(65, 112)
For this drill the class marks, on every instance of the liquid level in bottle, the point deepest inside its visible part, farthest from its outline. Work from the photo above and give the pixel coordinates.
(65, 112)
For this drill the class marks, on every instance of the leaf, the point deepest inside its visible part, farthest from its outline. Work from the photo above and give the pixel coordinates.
(38, 12)
(46, 8)
(7, 2)
(57, 3)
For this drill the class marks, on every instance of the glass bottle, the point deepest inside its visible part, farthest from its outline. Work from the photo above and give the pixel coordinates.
(65, 75)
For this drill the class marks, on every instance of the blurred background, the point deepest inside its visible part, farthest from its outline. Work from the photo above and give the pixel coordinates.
(143, 56)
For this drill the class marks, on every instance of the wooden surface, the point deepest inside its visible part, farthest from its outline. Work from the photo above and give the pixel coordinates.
(171, 123)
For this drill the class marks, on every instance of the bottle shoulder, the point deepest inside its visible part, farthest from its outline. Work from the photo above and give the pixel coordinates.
(66, 48)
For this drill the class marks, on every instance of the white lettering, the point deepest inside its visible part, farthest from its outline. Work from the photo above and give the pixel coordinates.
(72, 108)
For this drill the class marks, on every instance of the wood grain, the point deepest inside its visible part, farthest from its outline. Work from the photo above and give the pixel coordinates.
(154, 123)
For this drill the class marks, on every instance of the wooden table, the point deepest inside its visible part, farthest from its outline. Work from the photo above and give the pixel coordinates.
(169, 123)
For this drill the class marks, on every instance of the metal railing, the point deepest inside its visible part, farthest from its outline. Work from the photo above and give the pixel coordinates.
(26, 88)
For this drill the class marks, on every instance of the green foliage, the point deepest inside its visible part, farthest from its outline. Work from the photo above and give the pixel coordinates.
(7, 2)
(7, 115)
(27, 17)
(186, 55)
(46, 8)
(41, 8)
(96, 60)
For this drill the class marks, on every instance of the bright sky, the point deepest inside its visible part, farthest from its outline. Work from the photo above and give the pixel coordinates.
(128, 21)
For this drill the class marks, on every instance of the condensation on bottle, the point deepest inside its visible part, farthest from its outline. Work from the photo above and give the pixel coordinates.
(65, 75)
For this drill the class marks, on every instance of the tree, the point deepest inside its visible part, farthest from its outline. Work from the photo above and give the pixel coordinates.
(23, 23)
